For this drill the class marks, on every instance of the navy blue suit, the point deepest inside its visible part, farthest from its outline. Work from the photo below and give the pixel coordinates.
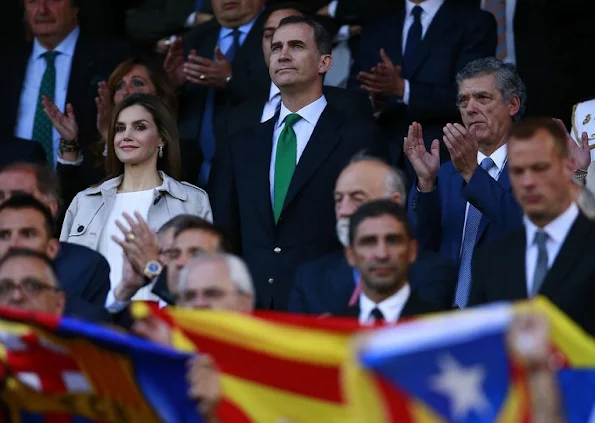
(457, 35)
(439, 216)
(84, 277)
(325, 285)
(241, 199)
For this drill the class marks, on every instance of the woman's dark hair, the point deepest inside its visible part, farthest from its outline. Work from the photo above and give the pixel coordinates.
(166, 126)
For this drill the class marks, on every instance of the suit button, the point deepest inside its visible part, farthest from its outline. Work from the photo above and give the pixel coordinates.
(80, 229)
(271, 280)
(277, 250)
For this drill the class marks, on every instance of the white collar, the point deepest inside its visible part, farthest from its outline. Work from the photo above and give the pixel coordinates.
(557, 229)
(273, 91)
(310, 113)
(429, 6)
(244, 29)
(498, 156)
(66, 47)
(391, 308)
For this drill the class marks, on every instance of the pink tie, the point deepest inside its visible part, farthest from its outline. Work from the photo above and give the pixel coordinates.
(355, 295)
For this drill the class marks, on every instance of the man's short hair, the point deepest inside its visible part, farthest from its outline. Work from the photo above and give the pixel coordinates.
(323, 40)
(238, 271)
(22, 202)
(527, 128)
(508, 81)
(395, 178)
(48, 183)
(15, 253)
(378, 208)
(191, 222)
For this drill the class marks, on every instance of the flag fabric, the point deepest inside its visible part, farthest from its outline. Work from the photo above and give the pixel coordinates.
(455, 367)
(62, 370)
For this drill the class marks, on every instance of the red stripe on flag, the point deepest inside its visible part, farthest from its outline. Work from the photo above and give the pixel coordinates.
(395, 400)
(311, 380)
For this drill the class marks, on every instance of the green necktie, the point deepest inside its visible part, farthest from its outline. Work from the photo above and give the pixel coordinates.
(285, 159)
(42, 126)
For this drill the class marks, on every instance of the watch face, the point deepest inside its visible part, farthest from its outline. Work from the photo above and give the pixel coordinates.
(153, 267)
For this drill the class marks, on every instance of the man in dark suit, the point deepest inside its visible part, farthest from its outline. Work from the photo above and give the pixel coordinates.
(84, 273)
(547, 257)
(381, 248)
(327, 285)
(468, 202)
(27, 223)
(61, 64)
(273, 183)
(263, 106)
(223, 67)
(408, 62)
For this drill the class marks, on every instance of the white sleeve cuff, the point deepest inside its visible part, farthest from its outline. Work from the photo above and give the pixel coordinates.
(332, 8)
(112, 305)
(191, 19)
(77, 162)
(406, 93)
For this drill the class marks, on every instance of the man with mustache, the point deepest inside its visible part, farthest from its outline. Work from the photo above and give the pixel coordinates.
(273, 183)
(468, 202)
(329, 284)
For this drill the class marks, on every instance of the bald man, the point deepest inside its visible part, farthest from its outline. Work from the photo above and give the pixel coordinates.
(328, 284)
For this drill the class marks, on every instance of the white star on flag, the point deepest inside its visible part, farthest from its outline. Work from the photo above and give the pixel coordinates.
(462, 386)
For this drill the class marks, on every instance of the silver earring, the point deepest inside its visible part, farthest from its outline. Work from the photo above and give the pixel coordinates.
(160, 151)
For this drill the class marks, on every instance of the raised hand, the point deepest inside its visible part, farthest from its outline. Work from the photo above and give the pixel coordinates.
(462, 146)
(528, 338)
(212, 73)
(139, 242)
(384, 78)
(174, 63)
(65, 124)
(104, 109)
(580, 155)
(205, 386)
(426, 164)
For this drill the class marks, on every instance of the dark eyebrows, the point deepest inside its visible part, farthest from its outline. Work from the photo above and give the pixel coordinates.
(291, 43)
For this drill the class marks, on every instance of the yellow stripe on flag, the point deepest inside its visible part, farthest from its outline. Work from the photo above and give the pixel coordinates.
(263, 404)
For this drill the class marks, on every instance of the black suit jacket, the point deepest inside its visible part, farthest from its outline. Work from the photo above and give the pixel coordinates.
(499, 273)
(250, 77)
(248, 113)
(415, 306)
(306, 229)
(325, 285)
(457, 35)
(84, 277)
(93, 61)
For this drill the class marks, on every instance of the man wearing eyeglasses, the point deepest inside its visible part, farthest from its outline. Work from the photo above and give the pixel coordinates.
(28, 281)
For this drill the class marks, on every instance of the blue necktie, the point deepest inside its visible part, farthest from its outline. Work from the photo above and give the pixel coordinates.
(207, 135)
(469, 238)
(198, 5)
(541, 267)
(413, 37)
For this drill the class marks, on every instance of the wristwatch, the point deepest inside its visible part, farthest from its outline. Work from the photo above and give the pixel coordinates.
(152, 269)
(580, 175)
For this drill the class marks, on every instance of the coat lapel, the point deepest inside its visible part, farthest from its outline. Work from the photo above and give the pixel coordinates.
(514, 276)
(340, 278)
(572, 250)
(322, 142)
(459, 206)
(82, 72)
(440, 24)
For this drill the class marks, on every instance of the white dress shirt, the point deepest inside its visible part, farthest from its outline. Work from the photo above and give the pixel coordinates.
(303, 131)
(270, 107)
(557, 230)
(391, 308)
(32, 82)
(510, 50)
(499, 158)
(430, 8)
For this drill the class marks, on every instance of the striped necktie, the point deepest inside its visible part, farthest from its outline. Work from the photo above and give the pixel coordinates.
(498, 9)
(42, 126)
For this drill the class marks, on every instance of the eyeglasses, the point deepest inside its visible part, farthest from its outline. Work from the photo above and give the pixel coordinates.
(31, 287)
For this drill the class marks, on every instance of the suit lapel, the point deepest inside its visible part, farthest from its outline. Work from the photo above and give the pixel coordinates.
(514, 276)
(440, 24)
(459, 206)
(572, 250)
(207, 48)
(253, 41)
(322, 142)
(340, 278)
(395, 49)
(258, 153)
(81, 73)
